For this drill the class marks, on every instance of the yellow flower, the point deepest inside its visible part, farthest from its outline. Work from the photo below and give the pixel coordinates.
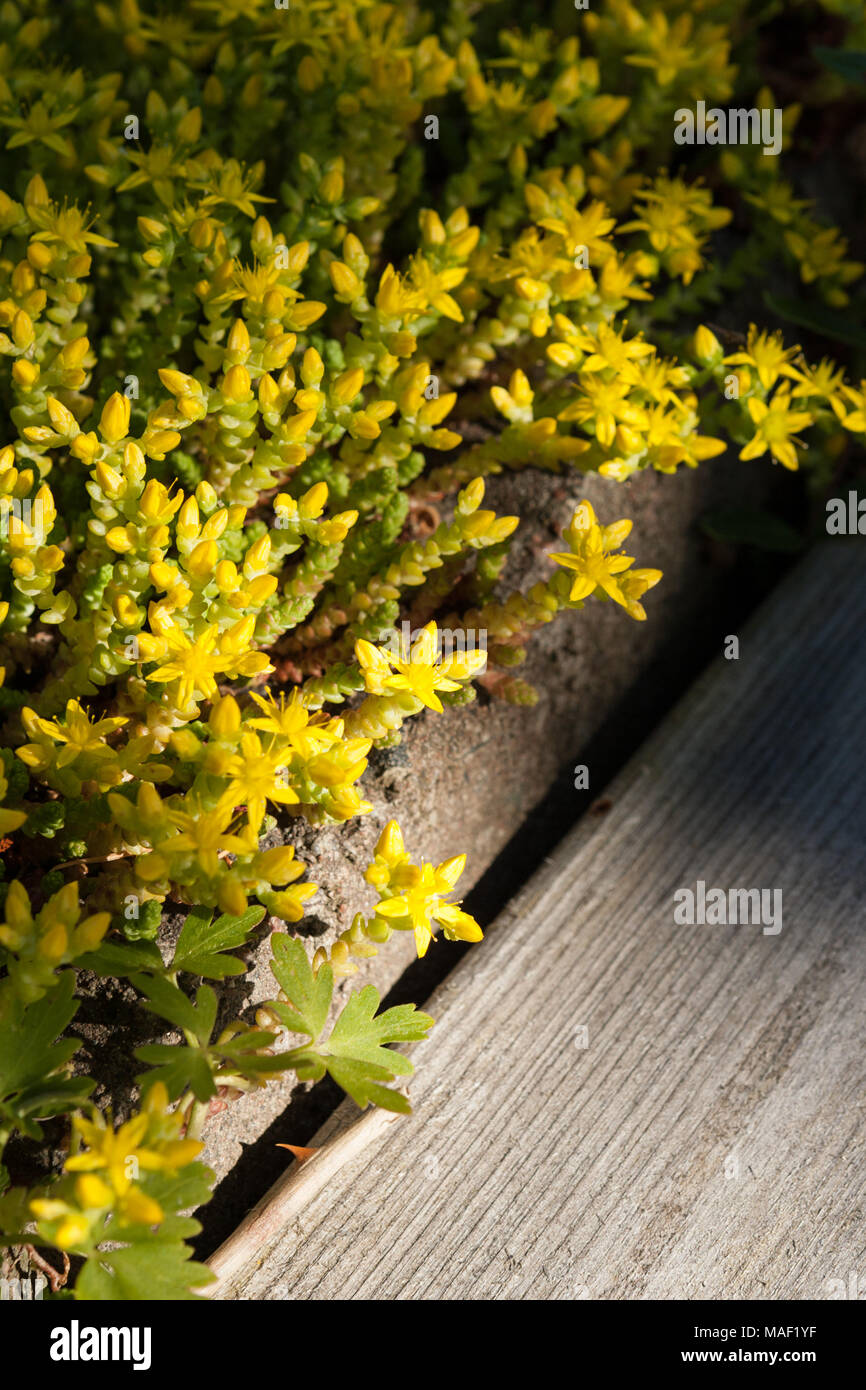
(231, 183)
(515, 403)
(119, 1154)
(416, 670)
(435, 284)
(608, 348)
(67, 226)
(157, 504)
(149, 1142)
(75, 731)
(614, 179)
(768, 355)
(257, 775)
(291, 720)
(204, 834)
(677, 217)
(587, 227)
(821, 254)
(390, 855)
(192, 664)
(604, 404)
(288, 903)
(776, 424)
(420, 903)
(673, 47)
(778, 200)
(855, 420)
(279, 865)
(591, 558)
(634, 585)
(826, 381)
(74, 1227)
(395, 299)
(340, 765)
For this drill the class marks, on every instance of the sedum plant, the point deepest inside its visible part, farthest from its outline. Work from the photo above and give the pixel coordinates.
(277, 284)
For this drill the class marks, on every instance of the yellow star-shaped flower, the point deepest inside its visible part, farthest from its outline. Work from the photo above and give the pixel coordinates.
(590, 555)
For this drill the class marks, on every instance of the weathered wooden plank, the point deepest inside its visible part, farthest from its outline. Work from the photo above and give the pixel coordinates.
(708, 1140)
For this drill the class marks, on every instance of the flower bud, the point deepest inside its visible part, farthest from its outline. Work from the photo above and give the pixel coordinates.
(225, 717)
(119, 540)
(236, 384)
(231, 897)
(188, 520)
(111, 482)
(707, 346)
(279, 865)
(239, 338)
(470, 499)
(344, 280)
(25, 373)
(114, 421)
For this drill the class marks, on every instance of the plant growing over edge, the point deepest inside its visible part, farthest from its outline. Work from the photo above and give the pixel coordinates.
(234, 373)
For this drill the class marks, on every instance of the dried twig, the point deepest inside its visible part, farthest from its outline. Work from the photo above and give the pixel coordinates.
(289, 1195)
(55, 1278)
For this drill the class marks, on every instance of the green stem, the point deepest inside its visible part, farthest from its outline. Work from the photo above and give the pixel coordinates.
(197, 1116)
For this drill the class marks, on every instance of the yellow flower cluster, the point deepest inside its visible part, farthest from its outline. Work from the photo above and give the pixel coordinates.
(242, 507)
(274, 753)
(592, 560)
(780, 394)
(110, 1169)
(40, 943)
(411, 898)
(400, 684)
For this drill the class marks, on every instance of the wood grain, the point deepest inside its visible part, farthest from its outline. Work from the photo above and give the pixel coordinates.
(708, 1141)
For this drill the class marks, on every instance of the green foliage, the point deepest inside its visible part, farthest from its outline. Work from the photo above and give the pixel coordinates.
(145, 1261)
(835, 327)
(356, 1052)
(849, 63)
(33, 1060)
(751, 526)
(202, 943)
(201, 1065)
(146, 926)
(147, 1270)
